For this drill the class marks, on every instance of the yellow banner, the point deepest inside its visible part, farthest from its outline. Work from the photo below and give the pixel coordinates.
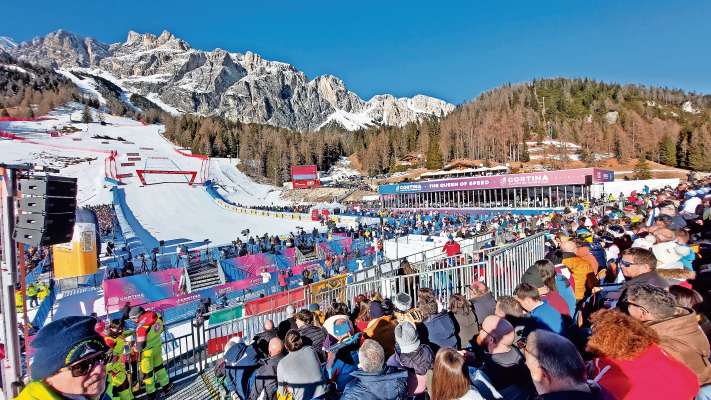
(333, 288)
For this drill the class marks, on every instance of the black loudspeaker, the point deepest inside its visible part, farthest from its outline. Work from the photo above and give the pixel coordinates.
(588, 180)
(46, 211)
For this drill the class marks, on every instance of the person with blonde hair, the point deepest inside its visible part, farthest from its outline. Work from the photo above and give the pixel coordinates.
(450, 378)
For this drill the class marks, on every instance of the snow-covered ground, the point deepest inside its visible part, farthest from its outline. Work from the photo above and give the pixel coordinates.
(167, 207)
(234, 185)
(341, 171)
(348, 120)
(86, 86)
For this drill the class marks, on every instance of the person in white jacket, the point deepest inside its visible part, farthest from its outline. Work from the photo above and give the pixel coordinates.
(668, 252)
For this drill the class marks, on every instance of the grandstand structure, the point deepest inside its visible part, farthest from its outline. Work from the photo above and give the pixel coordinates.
(546, 190)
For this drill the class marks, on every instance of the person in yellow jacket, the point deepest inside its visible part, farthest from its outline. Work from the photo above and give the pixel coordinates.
(19, 300)
(119, 380)
(69, 361)
(149, 327)
(42, 291)
(32, 295)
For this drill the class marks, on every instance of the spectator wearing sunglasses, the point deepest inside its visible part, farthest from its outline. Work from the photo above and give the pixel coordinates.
(640, 266)
(70, 368)
(677, 327)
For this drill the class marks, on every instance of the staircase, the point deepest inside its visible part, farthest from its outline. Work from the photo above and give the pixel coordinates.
(308, 255)
(203, 276)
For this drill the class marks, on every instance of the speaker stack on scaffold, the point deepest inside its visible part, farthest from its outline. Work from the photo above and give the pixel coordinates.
(46, 210)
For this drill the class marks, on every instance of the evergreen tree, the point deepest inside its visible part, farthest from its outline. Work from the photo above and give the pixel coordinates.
(697, 161)
(586, 155)
(619, 155)
(86, 115)
(667, 151)
(641, 169)
(523, 152)
(434, 155)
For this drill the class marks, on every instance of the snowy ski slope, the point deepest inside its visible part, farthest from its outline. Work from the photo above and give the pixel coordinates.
(168, 208)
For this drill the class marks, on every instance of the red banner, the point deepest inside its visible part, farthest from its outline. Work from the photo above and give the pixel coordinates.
(265, 304)
(217, 345)
(304, 176)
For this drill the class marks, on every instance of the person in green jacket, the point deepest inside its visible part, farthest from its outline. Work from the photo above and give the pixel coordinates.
(42, 291)
(118, 378)
(69, 361)
(32, 295)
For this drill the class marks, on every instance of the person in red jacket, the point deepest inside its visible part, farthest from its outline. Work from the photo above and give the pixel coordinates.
(452, 248)
(630, 365)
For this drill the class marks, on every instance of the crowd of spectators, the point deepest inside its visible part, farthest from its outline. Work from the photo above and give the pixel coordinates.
(105, 216)
(617, 309)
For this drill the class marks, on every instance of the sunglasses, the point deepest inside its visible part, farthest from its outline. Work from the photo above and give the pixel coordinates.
(84, 366)
(626, 264)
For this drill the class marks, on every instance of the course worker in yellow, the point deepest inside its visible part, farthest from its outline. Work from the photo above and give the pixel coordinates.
(119, 379)
(149, 327)
(69, 361)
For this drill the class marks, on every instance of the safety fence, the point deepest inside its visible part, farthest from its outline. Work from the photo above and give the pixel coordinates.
(84, 281)
(44, 308)
(424, 260)
(196, 351)
(504, 267)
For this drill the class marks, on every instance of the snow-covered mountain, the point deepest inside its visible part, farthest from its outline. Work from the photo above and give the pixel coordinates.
(243, 87)
(7, 44)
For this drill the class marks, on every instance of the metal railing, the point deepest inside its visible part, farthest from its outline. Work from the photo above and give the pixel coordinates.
(390, 268)
(477, 242)
(183, 355)
(189, 354)
(504, 267)
(85, 281)
(444, 281)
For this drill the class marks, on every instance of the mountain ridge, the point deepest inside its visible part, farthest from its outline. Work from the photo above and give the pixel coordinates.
(243, 87)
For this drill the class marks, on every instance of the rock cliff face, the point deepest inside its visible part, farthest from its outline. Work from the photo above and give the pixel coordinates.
(242, 87)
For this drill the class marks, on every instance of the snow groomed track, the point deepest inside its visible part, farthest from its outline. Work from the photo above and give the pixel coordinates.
(167, 207)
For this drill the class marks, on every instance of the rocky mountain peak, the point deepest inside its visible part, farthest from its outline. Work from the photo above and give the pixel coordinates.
(7, 43)
(149, 41)
(244, 87)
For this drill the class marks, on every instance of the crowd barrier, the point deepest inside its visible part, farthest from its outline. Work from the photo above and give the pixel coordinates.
(423, 260)
(84, 281)
(260, 213)
(504, 267)
(195, 352)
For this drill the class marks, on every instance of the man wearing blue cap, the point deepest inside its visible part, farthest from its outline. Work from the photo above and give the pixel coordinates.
(69, 361)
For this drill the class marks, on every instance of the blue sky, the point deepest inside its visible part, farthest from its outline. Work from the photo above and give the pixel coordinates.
(449, 49)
